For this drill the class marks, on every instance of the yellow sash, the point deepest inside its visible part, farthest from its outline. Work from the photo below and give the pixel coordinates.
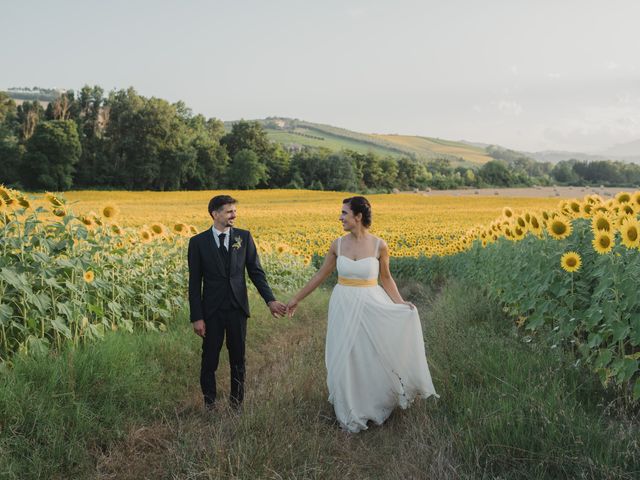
(358, 282)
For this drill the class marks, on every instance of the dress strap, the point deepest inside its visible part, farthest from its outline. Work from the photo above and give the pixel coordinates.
(339, 242)
(377, 248)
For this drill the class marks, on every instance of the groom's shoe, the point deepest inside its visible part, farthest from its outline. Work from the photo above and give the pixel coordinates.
(210, 405)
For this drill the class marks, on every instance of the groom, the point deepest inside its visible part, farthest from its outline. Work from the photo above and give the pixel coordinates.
(218, 295)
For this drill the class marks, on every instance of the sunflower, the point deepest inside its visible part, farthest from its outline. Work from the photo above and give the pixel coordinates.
(575, 208)
(53, 200)
(571, 262)
(535, 226)
(601, 209)
(181, 229)
(59, 211)
(630, 233)
(145, 235)
(96, 218)
(508, 233)
(559, 228)
(521, 221)
(623, 197)
(117, 229)
(4, 193)
(635, 199)
(87, 221)
(88, 276)
(627, 209)
(601, 222)
(24, 202)
(519, 233)
(110, 211)
(158, 229)
(621, 220)
(507, 212)
(603, 242)
(3, 204)
(587, 209)
(593, 199)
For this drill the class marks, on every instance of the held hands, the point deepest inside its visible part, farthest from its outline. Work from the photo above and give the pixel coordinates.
(291, 307)
(278, 309)
(411, 305)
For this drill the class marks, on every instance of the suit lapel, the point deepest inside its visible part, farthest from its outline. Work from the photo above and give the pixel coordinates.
(216, 255)
(233, 252)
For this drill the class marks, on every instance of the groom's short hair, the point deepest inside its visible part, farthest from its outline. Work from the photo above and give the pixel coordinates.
(219, 201)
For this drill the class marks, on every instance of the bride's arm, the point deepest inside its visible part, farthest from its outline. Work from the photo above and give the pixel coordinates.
(387, 281)
(320, 276)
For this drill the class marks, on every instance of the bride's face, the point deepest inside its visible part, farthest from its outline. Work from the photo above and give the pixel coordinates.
(348, 219)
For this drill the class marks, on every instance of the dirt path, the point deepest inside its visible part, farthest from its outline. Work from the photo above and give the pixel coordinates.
(287, 428)
(158, 450)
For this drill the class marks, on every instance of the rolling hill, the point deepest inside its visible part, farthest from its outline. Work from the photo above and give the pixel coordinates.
(293, 134)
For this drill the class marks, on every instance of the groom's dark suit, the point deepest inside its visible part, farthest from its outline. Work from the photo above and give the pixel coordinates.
(218, 295)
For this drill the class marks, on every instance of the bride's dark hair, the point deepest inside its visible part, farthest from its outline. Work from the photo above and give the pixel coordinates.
(360, 205)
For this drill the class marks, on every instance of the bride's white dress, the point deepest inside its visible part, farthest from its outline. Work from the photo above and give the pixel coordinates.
(374, 353)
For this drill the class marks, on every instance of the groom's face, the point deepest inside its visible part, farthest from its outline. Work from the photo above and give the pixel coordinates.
(225, 216)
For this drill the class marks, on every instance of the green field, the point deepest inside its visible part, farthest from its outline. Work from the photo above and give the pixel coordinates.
(307, 134)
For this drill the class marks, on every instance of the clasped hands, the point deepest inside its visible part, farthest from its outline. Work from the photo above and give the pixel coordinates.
(279, 309)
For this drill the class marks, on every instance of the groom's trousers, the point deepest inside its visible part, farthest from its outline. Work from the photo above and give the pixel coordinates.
(232, 324)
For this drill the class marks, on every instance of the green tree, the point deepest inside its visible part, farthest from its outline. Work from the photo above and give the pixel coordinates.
(372, 173)
(252, 136)
(563, 172)
(246, 171)
(89, 118)
(389, 168)
(52, 151)
(496, 173)
(29, 115)
(277, 162)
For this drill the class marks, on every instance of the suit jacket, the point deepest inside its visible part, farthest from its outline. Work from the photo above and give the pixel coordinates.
(207, 273)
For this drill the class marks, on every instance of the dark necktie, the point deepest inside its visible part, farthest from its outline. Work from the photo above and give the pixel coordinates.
(222, 248)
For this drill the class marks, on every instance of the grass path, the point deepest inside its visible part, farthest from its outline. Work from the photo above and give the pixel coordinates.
(287, 428)
(508, 410)
(129, 408)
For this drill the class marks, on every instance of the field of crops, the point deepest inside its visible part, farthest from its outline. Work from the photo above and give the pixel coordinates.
(566, 270)
(283, 219)
(570, 275)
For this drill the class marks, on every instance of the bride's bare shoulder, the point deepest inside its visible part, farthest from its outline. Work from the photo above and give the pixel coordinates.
(383, 247)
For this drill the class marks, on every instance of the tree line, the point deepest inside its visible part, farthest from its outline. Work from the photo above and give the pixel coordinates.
(127, 141)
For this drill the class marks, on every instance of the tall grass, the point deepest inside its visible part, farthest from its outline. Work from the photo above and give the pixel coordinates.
(130, 407)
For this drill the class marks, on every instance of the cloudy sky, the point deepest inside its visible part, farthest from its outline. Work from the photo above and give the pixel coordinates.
(530, 75)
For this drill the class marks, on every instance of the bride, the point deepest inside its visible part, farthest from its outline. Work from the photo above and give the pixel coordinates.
(374, 353)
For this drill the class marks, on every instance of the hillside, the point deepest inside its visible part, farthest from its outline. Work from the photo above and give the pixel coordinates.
(298, 133)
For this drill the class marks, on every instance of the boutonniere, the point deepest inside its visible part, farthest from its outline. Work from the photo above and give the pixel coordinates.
(238, 243)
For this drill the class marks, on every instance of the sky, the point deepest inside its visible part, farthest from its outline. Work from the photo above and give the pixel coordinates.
(529, 75)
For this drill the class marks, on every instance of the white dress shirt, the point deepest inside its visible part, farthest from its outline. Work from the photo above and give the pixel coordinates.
(217, 232)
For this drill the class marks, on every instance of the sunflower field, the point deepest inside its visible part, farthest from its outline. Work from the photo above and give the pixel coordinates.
(568, 275)
(69, 278)
(565, 272)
